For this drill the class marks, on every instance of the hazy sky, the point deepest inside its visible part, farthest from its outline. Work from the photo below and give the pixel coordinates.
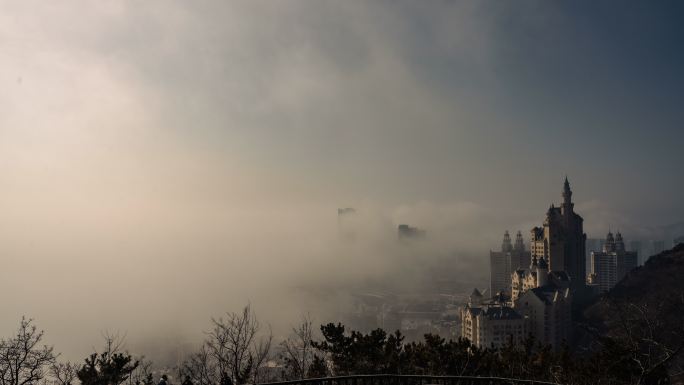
(154, 152)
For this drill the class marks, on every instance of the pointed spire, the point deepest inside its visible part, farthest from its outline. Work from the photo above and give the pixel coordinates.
(567, 193)
(506, 245)
(609, 245)
(519, 242)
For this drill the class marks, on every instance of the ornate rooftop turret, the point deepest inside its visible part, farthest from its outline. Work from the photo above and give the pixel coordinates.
(567, 193)
(519, 243)
(609, 245)
(506, 246)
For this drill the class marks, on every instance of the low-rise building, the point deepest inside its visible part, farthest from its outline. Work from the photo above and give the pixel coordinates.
(492, 325)
(547, 314)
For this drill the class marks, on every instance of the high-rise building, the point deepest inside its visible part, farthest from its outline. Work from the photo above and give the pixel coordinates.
(541, 284)
(611, 264)
(408, 232)
(561, 240)
(503, 263)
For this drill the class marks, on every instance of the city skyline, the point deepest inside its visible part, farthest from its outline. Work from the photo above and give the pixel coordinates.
(163, 161)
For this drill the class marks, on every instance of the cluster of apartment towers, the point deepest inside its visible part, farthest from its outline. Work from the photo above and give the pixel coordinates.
(533, 290)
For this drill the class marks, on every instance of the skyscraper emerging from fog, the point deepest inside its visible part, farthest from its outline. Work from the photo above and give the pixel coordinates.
(561, 240)
(405, 232)
(503, 263)
(346, 226)
(611, 264)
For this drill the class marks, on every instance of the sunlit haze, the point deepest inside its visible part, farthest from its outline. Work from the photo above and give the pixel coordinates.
(163, 162)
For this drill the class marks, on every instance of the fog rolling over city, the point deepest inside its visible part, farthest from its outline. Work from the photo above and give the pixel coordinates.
(159, 282)
(165, 162)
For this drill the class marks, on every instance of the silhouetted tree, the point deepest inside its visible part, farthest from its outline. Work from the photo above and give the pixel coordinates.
(298, 350)
(225, 379)
(23, 360)
(235, 346)
(64, 373)
(338, 348)
(142, 374)
(111, 367)
(201, 368)
(318, 368)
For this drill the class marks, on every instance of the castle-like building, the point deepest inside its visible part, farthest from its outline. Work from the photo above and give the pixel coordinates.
(561, 240)
(491, 323)
(541, 291)
(544, 300)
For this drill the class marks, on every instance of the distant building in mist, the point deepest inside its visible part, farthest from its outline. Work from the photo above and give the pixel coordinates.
(611, 264)
(345, 211)
(503, 263)
(407, 232)
(346, 226)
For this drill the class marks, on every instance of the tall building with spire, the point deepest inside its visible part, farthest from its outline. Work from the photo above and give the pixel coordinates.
(561, 240)
(503, 263)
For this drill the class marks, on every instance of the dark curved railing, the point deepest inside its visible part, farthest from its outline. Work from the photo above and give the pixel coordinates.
(397, 379)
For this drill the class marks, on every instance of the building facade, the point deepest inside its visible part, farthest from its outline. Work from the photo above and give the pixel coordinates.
(503, 263)
(492, 324)
(561, 240)
(611, 264)
(547, 314)
(543, 299)
(540, 307)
